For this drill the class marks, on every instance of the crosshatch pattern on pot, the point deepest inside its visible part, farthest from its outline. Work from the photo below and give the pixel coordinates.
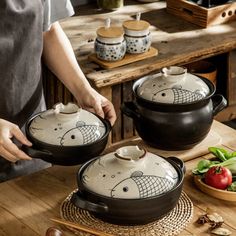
(172, 224)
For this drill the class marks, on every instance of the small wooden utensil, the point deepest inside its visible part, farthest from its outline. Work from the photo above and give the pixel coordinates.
(81, 227)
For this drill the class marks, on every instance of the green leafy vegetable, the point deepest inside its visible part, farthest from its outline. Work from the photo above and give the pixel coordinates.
(232, 187)
(233, 154)
(226, 159)
(230, 164)
(204, 165)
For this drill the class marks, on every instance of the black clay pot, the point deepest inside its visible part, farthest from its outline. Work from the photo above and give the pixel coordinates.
(59, 153)
(128, 211)
(174, 126)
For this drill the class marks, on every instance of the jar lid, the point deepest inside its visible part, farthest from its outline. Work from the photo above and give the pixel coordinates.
(173, 86)
(130, 173)
(110, 32)
(136, 25)
(66, 125)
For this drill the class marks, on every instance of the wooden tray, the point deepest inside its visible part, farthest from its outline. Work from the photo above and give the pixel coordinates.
(128, 58)
(200, 15)
(214, 192)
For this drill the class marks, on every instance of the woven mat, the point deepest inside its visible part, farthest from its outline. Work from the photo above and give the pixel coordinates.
(172, 224)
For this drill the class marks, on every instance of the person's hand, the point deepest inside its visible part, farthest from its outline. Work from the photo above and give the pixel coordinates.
(8, 149)
(92, 101)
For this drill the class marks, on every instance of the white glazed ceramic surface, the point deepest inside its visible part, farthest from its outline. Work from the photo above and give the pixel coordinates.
(67, 125)
(137, 44)
(110, 49)
(130, 173)
(174, 86)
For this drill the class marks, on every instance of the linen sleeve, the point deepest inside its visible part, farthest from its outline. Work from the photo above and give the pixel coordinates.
(55, 10)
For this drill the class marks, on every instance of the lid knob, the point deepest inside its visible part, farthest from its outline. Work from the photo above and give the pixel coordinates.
(174, 74)
(130, 155)
(67, 111)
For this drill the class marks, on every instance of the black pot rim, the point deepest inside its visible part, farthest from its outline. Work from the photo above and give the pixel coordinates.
(83, 188)
(41, 143)
(160, 104)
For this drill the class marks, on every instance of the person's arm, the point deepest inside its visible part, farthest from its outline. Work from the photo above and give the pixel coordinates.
(59, 56)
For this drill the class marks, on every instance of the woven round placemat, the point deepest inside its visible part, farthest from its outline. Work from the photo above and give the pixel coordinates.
(172, 224)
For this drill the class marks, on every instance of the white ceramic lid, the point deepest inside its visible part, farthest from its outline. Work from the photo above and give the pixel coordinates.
(130, 173)
(174, 86)
(67, 125)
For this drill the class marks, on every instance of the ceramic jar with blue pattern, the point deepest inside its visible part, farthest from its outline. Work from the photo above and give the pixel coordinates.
(137, 35)
(110, 44)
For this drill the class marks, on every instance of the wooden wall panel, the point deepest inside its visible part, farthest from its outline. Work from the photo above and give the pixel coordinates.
(232, 78)
(116, 100)
(128, 128)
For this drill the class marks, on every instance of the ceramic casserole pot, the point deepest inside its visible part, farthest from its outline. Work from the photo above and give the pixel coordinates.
(173, 110)
(129, 186)
(66, 135)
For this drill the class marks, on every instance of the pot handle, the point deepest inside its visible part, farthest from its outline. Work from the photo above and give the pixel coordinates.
(35, 153)
(178, 162)
(130, 109)
(78, 200)
(219, 103)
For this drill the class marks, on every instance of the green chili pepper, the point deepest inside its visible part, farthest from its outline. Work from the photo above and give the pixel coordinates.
(221, 153)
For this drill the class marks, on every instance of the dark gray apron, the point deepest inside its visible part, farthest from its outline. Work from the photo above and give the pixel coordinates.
(21, 44)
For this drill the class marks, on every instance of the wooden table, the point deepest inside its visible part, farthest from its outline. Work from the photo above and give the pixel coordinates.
(178, 42)
(27, 203)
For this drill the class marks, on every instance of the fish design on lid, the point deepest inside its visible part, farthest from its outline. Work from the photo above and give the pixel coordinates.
(177, 95)
(142, 185)
(88, 133)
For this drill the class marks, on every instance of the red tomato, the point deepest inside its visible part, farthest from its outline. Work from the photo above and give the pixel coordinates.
(218, 177)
